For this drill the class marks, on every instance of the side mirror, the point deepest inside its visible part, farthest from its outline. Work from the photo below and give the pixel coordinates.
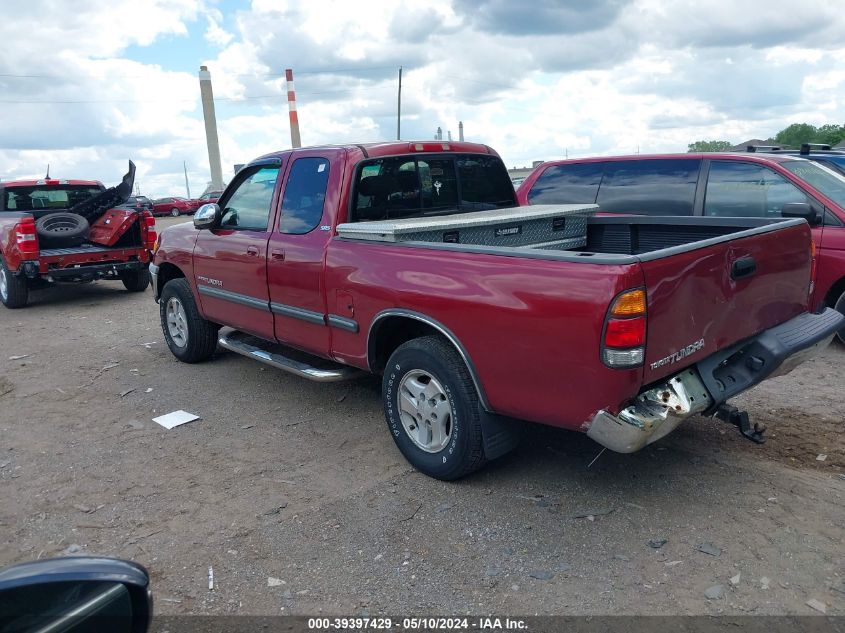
(75, 594)
(207, 216)
(802, 210)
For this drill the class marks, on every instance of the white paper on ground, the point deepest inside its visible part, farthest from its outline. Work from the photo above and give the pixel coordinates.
(175, 418)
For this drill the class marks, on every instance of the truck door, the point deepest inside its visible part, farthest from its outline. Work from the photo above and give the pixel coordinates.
(230, 262)
(296, 253)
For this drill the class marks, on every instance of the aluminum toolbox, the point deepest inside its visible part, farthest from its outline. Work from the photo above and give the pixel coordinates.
(111, 226)
(552, 226)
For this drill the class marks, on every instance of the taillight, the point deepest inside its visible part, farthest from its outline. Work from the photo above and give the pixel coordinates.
(26, 238)
(625, 330)
(148, 230)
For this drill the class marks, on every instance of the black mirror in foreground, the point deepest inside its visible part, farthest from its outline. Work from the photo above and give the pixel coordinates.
(802, 210)
(207, 216)
(75, 595)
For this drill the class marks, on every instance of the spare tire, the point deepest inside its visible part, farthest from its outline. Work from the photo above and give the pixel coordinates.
(58, 230)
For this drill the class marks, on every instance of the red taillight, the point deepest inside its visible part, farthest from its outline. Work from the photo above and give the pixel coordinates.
(625, 330)
(26, 238)
(148, 230)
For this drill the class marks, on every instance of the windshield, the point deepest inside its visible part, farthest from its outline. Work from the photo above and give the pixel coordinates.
(819, 177)
(47, 197)
(414, 186)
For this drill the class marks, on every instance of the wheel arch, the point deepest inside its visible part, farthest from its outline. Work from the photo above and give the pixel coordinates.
(391, 328)
(167, 272)
(836, 291)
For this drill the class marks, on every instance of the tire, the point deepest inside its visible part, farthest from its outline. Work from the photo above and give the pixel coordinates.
(191, 339)
(14, 290)
(449, 444)
(59, 230)
(840, 307)
(174, 213)
(136, 280)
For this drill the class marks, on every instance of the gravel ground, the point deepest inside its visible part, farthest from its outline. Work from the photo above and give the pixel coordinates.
(298, 485)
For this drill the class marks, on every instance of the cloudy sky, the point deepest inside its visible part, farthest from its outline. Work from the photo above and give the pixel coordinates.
(84, 85)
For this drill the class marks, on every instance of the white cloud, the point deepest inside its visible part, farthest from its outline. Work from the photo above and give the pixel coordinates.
(539, 83)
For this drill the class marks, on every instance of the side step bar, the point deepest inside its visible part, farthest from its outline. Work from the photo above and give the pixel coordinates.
(280, 357)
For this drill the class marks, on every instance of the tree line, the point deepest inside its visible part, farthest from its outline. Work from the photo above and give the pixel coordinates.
(791, 136)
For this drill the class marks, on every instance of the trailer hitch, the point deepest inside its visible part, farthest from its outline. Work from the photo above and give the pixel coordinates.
(732, 415)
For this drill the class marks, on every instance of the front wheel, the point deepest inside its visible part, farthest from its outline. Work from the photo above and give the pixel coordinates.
(190, 338)
(14, 291)
(432, 409)
(174, 213)
(136, 280)
(840, 307)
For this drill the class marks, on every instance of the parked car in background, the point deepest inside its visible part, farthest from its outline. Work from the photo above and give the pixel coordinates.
(726, 184)
(139, 203)
(209, 196)
(174, 206)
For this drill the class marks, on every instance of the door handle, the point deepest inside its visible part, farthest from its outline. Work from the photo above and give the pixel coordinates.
(277, 255)
(252, 250)
(743, 267)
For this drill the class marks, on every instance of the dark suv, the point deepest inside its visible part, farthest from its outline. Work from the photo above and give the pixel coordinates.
(824, 154)
(714, 184)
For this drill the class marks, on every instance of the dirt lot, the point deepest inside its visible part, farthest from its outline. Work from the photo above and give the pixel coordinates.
(300, 482)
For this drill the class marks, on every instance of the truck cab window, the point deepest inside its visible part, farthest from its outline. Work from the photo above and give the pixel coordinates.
(736, 189)
(649, 187)
(567, 184)
(248, 208)
(391, 188)
(304, 195)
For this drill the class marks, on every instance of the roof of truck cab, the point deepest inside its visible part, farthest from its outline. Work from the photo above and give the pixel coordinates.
(391, 148)
(49, 182)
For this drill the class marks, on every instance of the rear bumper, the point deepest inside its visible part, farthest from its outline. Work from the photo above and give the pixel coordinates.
(701, 389)
(93, 272)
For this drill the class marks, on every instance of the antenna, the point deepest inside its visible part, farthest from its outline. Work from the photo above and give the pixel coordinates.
(47, 177)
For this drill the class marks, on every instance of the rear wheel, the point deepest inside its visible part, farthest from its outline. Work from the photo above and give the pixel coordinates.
(136, 280)
(174, 212)
(840, 307)
(14, 290)
(432, 409)
(190, 338)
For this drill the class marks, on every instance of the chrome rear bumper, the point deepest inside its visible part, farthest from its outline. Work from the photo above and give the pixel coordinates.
(654, 414)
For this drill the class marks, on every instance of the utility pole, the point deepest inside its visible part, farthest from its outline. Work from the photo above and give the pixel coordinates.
(399, 108)
(187, 188)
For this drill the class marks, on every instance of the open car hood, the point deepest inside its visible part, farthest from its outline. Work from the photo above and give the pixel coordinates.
(94, 207)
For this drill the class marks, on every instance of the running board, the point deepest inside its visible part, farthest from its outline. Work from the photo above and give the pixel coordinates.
(285, 358)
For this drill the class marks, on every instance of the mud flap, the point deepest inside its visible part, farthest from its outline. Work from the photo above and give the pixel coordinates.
(500, 434)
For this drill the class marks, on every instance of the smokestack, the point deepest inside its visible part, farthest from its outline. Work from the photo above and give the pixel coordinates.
(207, 97)
(460, 130)
(295, 140)
(450, 134)
(439, 135)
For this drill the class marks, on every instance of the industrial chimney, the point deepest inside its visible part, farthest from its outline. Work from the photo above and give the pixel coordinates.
(210, 129)
(460, 130)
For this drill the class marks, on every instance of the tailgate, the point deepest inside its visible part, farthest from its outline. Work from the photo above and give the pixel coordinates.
(704, 300)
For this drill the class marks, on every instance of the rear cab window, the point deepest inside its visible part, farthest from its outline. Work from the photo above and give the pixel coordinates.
(425, 185)
(38, 197)
(564, 184)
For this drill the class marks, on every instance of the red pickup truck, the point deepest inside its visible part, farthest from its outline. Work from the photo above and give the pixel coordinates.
(69, 231)
(412, 260)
